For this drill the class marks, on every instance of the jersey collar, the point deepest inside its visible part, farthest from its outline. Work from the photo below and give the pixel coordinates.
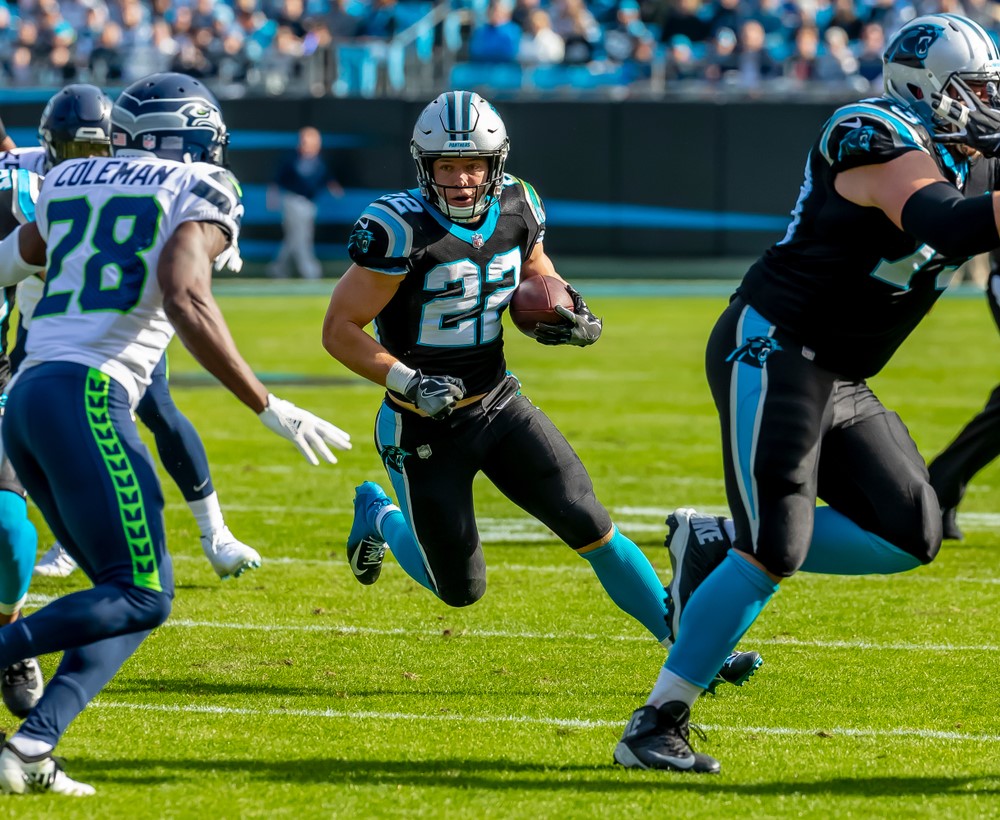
(484, 231)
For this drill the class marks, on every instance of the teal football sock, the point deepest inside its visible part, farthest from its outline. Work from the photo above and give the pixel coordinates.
(716, 616)
(396, 531)
(631, 582)
(841, 547)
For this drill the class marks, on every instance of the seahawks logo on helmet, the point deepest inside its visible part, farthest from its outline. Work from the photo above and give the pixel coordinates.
(200, 115)
(911, 49)
(754, 351)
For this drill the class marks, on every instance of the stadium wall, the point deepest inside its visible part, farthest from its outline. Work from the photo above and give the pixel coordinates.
(620, 180)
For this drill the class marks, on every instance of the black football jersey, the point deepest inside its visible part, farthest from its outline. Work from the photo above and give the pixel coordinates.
(445, 319)
(845, 281)
(18, 191)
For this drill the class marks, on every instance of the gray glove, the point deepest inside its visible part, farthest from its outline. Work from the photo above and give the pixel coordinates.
(582, 327)
(435, 395)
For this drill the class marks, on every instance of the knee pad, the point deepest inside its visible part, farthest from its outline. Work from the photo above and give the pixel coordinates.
(920, 532)
(465, 594)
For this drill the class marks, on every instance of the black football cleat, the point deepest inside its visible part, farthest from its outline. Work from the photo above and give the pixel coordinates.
(950, 530)
(21, 686)
(697, 543)
(657, 738)
(737, 670)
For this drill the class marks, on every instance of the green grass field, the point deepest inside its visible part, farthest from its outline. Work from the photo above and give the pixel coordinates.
(295, 692)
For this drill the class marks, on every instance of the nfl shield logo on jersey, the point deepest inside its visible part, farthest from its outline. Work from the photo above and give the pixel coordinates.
(148, 142)
(477, 241)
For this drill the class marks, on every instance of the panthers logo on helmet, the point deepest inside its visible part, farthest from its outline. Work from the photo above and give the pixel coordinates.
(911, 49)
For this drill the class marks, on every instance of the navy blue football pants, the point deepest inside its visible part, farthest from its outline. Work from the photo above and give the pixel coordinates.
(70, 435)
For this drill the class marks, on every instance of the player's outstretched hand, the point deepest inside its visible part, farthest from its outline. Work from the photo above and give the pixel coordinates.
(435, 395)
(582, 327)
(977, 123)
(306, 431)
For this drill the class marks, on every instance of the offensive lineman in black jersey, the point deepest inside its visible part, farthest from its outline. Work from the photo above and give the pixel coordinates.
(434, 268)
(881, 220)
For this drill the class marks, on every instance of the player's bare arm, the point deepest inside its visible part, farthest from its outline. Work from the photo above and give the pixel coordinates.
(911, 191)
(356, 300)
(22, 254)
(185, 276)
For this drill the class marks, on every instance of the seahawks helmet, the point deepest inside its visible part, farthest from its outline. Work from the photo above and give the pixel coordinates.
(940, 53)
(460, 124)
(76, 122)
(171, 116)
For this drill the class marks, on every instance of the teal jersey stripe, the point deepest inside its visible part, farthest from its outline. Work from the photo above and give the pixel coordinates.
(131, 506)
(24, 201)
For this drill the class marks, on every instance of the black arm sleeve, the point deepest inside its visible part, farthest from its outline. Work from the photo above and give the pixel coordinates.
(950, 223)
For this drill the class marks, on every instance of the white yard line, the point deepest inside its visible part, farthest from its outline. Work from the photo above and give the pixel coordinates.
(924, 734)
(458, 632)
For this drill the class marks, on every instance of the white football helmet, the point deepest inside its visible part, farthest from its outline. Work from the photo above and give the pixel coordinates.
(460, 124)
(942, 53)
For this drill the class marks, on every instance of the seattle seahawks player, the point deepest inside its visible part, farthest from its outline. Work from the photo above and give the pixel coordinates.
(434, 268)
(892, 202)
(76, 123)
(134, 238)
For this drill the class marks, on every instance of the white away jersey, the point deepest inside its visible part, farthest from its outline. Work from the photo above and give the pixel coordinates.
(30, 159)
(105, 221)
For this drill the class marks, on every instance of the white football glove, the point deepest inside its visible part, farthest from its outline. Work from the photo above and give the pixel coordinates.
(305, 430)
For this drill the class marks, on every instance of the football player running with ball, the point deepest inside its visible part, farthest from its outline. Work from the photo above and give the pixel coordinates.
(134, 238)
(434, 268)
(892, 202)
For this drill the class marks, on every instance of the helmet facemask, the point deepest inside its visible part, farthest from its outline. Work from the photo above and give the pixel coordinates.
(460, 125)
(944, 54)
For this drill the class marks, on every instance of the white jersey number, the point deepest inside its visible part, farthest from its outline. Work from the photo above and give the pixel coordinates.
(464, 318)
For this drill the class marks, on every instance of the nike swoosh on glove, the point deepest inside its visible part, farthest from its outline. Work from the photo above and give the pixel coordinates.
(582, 327)
(308, 432)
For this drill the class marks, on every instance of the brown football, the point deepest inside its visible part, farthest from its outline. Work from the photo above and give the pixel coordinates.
(535, 300)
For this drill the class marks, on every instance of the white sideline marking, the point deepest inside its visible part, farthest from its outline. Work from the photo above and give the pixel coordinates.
(458, 632)
(575, 723)
(498, 528)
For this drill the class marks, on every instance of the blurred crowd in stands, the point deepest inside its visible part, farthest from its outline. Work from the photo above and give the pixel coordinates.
(289, 46)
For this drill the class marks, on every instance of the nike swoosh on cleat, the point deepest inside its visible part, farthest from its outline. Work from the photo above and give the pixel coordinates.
(679, 762)
(354, 559)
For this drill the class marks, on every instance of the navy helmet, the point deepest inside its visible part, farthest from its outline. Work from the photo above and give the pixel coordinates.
(171, 116)
(76, 123)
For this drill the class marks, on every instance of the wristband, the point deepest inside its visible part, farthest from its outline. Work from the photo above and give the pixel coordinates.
(398, 377)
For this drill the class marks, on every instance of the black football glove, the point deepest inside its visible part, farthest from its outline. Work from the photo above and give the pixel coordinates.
(435, 395)
(977, 124)
(582, 327)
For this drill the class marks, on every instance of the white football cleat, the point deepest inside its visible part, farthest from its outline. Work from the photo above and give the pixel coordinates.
(20, 774)
(56, 563)
(229, 558)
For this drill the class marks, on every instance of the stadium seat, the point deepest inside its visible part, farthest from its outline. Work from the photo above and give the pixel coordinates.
(495, 76)
(357, 69)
